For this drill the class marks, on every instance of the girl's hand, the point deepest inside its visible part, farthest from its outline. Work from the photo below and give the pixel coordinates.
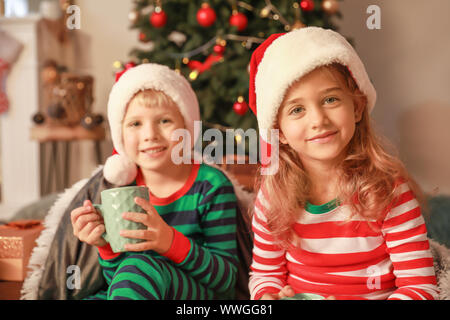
(88, 224)
(287, 291)
(158, 235)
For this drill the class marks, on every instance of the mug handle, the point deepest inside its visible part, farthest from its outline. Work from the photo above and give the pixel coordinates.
(98, 207)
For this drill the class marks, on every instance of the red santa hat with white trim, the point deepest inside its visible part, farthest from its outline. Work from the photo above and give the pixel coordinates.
(284, 58)
(119, 169)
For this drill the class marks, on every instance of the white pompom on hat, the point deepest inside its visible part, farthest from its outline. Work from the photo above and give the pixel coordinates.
(284, 58)
(119, 169)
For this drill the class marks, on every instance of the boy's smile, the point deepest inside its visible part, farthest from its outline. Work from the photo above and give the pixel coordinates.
(154, 152)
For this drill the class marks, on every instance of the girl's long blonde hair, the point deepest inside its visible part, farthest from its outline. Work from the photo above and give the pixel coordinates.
(367, 183)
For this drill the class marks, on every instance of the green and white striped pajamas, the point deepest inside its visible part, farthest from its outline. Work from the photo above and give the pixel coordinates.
(205, 213)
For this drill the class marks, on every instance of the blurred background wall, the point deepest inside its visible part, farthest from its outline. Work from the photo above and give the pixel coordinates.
(407, 60)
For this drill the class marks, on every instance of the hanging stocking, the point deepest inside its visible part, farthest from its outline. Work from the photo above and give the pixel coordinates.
(3, 99)
(10, 50)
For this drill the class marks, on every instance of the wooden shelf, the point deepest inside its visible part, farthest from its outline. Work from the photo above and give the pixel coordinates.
(45, 133)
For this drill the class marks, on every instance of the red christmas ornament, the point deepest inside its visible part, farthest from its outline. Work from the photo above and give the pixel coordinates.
(128, 66)
(206, 16)
(206, 65)
(158, 18)
(307, 5)
(240, 106)
(143, 37)
(239, 20)
(212, 59)
(218, 49)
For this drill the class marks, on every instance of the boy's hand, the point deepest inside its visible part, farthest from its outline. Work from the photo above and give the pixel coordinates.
(287, 291)
(158, 235)
(88, 224)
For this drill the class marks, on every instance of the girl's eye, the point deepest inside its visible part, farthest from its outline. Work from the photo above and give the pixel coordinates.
(297, 110)
(331, 100)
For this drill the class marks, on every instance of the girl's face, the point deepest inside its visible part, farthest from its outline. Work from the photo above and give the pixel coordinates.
(147, 131)
(318, 117)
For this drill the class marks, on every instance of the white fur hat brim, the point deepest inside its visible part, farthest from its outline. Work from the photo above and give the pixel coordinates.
(294, 55)
(119, 169)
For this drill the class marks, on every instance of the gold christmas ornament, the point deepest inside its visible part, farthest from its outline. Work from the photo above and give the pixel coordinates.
(64, 4)
(221, 42)
(330, 6)
(117, 64)
(238, 138)
(50, 75)
(88, 120)
(133, 16)
(298, 25)
(193, 75)
(265, 12)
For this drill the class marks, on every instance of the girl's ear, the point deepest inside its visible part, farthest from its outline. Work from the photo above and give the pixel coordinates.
(281, 136)
(360, 104)
(276, 126)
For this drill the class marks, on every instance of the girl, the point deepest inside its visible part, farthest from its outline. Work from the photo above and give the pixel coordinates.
(339, 217)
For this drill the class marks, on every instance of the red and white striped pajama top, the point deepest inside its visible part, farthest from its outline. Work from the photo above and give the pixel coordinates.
(387, 258)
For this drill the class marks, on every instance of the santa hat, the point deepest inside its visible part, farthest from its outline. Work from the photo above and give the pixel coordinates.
(119, 169)
(283, 58)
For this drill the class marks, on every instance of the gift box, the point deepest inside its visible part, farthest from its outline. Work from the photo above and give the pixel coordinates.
(17, 240)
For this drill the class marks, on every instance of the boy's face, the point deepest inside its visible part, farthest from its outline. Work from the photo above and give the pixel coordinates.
(318, 117)
(147, 131)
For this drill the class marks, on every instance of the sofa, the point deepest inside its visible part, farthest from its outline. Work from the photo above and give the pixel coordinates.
(57, 248)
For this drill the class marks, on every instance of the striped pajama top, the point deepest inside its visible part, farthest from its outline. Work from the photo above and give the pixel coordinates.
(387, 258)
(203, 215)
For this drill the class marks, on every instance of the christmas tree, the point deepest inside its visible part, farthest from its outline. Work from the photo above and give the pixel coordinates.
(210, 42)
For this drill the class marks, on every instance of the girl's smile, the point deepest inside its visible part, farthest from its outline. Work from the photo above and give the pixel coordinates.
(323, 138)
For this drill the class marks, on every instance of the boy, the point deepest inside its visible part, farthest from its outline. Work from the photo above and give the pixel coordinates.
(189, 248)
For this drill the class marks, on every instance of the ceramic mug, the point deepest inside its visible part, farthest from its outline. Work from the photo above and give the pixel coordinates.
(304, 296)
(115, 202)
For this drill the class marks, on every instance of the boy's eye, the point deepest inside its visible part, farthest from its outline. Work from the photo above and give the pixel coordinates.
(134, 124)
(165, 120)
